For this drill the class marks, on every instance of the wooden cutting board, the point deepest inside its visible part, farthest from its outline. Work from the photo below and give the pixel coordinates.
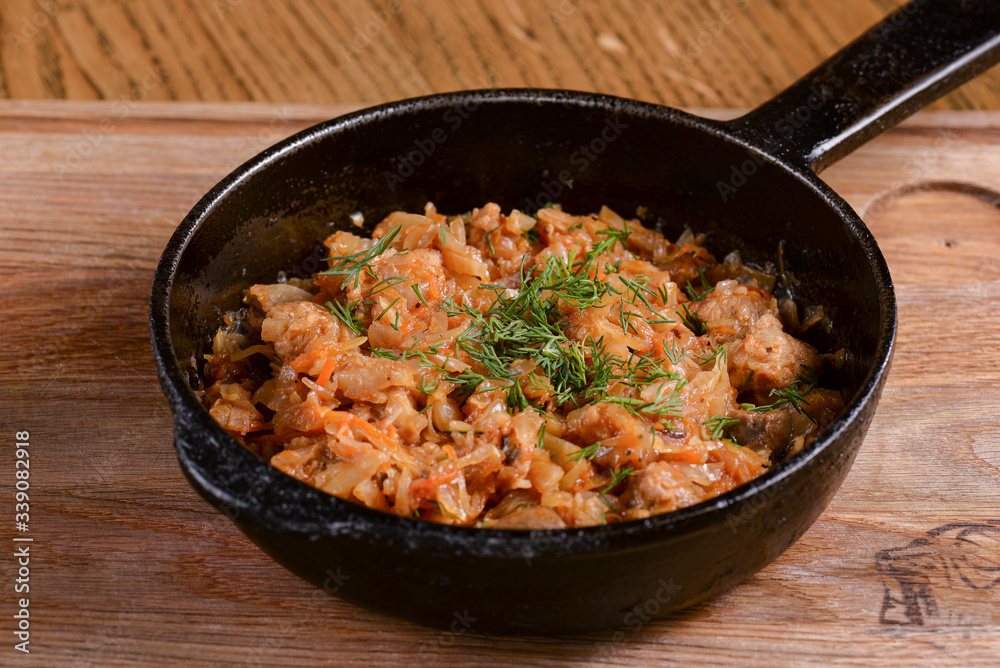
(129, 566)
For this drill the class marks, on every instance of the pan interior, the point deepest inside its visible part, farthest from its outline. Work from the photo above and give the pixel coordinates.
(520, 149)
(462, 151)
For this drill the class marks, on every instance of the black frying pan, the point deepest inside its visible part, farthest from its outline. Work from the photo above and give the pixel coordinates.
(750, 183)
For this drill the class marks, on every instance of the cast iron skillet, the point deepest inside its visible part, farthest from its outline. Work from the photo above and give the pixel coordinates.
(750, 183)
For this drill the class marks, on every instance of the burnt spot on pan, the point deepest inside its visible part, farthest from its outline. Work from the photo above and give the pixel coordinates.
(960, 555)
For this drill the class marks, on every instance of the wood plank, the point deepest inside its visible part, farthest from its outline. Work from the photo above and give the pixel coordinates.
(733, 53)
(131, 567)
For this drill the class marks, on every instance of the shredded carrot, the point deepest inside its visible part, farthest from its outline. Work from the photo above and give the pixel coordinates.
(429, 484)
(324, 374)
(365, 423)
(341, 419)
(367, 429)
(346, 421)
(658, 344)
(320, 412)
(686, 456)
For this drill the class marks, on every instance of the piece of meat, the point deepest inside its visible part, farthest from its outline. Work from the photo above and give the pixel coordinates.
(824, 406)
(772, 432)
(730, 310)
(769, 359)
(464, 445)
(662, 487)
(767, 432)
(534, 517)
(628, 441)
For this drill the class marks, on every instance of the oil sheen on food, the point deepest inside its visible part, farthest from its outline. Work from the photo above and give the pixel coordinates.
(522, 372)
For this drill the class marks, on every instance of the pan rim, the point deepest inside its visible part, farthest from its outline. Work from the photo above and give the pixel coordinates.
(416, 534)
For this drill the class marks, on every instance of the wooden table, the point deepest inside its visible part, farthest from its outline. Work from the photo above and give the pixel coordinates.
(685, 53)
(130, 567)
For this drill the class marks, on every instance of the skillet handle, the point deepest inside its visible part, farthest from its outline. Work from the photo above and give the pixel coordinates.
(917, 54)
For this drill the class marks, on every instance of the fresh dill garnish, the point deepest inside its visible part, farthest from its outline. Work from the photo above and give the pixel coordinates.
(638, 290)
(540, 442)
(518, 401)
(387, 354)
(625, 318)
(466, 383)
(705, 288)
(489, 241)
(351, 266)
(663, 292)
(416, 290)
(747, 381)
(588, 452)
(426, 389)
(386, 309)
(535, 383)
(719, 425)
(345, 314)
(794, 394)
(660, 320)
(639, 370)
(427, 363)
(529, 324)
(384, 284)
(693, 321)
(672, 352)
(668, 405)
(617, 476)
(612, 236)
(713, 353)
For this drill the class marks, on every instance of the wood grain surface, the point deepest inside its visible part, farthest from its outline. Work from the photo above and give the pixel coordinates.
(734, 53)
(129, 566)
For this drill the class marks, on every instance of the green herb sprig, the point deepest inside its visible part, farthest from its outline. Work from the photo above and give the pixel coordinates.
(719, 425)
(693, 321)
(694, 294)
(588, 453)
(344, 312)
(617, 476)
(351, 266)
(794, 394)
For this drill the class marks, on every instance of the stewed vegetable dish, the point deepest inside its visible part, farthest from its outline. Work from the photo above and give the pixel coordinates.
(522, 372)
